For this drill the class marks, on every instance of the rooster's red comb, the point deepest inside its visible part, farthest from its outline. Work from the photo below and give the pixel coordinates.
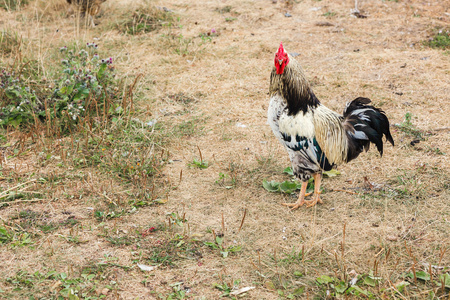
(281, 49)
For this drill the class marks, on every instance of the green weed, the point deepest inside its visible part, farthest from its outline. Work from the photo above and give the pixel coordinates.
(218, 244)
(440, 39)
(409, 128)
(201, 164)
(226, 180)
(10, 41)
(12, 4)
(167, 252)
(37, 285)
(225, 9)
(6, 235)
(84, 85)
(227, 288)
(329, 14)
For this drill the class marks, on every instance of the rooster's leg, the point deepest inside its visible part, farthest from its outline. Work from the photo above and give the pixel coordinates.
(316, 195)
(301, 197)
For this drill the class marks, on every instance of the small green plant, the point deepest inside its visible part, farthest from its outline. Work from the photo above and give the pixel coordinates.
(201, 164)
(167, 251)
(329, 14)
(12, 4)
(177, 292)
(440, 39)
(6, 235)
(292, 257)
(340, 287)
(226, 180)
(226, 288)
(175, 218)
(225, 9)
(105, 215)
(409, 128)
(218, 244)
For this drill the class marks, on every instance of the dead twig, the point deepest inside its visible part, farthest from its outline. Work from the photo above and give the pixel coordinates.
(5, 193)
(243, 218)
(18, 201)
(345, 191)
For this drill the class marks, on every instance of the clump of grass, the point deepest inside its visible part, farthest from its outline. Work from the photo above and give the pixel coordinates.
(440, 39)
(145, 19)
(12, 4)
(225, 9)
(329, 14)
(68, 286)
(409, 128)
(10, 41)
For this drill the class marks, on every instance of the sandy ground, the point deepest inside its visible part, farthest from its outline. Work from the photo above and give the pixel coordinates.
(226, 79)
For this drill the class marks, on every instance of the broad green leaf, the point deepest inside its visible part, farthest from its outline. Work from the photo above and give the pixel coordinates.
(271, 186)
(444, 278)
(401, 286)
(341, 287)
(356, 290)
(423, 275)
(331, 173)
(219, 240)
(82, 93)
(298, 274)
(299, 291)
(324, 279)
(420, 275)
(101, 70)
(369, 281)
(288, 187)
(289, 171)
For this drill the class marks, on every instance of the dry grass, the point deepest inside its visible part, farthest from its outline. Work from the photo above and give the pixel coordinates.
(207, 89)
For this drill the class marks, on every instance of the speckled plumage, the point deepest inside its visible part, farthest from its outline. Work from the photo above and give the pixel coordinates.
(315, 137)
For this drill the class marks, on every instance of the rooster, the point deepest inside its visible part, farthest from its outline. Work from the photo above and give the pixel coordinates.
(315, 137)
(91, 7)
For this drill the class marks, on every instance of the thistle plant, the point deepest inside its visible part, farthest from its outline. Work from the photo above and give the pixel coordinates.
(83, 84)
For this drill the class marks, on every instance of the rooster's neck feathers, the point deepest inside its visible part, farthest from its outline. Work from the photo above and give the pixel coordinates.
(294, 88)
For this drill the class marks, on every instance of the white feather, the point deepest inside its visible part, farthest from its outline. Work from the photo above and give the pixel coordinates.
(300, 124)
(360, 135)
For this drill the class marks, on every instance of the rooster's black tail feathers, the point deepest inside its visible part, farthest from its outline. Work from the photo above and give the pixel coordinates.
(364, 124)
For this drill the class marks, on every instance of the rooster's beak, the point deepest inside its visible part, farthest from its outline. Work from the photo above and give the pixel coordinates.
(280, 61)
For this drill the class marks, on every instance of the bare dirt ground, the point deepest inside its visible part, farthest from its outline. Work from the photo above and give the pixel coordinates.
(211, 84)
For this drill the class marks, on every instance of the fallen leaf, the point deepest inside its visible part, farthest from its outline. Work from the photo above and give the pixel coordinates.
(392, 238)
(324, 23)
(269, 285)
(55, 285)
(146, 268)
(241, 291)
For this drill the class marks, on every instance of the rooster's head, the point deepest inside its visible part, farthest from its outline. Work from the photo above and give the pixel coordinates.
(281, 59)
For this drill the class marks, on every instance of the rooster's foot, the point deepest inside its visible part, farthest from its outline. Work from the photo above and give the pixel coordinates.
(316, 199)
(294, 205)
